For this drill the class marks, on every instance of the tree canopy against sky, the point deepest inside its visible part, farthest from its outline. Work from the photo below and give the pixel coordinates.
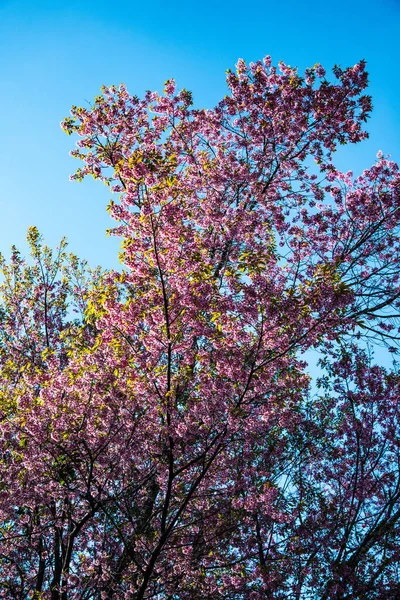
(162, 441)
(55, 54)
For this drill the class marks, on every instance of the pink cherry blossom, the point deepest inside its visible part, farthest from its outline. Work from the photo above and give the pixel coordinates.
(161, 436)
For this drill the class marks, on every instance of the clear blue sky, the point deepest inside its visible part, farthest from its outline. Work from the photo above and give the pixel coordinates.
(55, 54)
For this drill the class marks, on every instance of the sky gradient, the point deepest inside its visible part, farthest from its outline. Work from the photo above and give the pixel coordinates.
(55, 54)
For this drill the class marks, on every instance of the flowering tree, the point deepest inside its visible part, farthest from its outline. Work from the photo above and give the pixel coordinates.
(163, 442)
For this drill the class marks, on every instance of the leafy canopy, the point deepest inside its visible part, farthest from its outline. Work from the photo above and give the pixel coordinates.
(163, 441)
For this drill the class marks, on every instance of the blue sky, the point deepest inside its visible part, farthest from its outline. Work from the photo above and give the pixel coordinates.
(55, 54)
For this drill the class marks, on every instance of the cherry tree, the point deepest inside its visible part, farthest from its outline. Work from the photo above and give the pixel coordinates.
(164, 440)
